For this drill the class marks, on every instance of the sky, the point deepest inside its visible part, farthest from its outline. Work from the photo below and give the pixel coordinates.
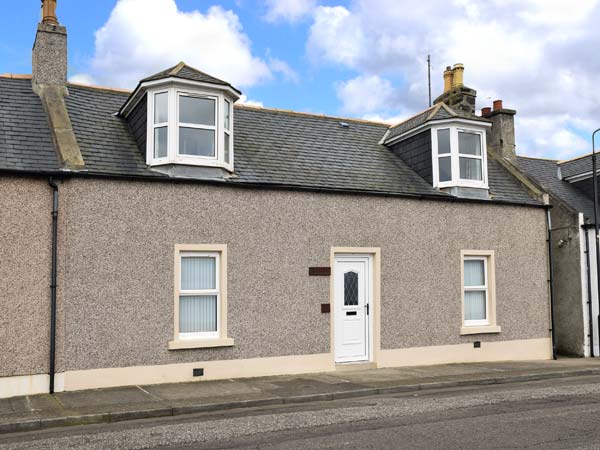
(349, 58)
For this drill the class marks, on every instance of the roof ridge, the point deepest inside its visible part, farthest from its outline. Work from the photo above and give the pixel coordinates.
(175, 70)
(16, 76)
(302, 113)
(449, 110)
(563, 161)
(415, 115)
(434, 111)
(99, 88)
(538, 158)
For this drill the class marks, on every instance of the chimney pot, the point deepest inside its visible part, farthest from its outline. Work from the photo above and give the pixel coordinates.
(448, 79)
(485, 111)
(49, 12)
(497, 105)
(458, 75)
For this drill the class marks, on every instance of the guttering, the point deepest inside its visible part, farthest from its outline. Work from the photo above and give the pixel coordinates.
(551, 280)
(272, 186)
(53, 283)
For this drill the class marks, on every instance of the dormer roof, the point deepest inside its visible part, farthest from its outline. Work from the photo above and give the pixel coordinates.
(185, 72)
(182, 72)
(440, 111)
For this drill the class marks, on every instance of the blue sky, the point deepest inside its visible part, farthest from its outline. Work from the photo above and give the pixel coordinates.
(356, 58)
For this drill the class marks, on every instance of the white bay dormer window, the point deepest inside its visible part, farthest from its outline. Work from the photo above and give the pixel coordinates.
(459, 156)
(190, 127)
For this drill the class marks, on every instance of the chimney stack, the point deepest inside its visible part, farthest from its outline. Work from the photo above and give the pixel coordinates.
(49, 82)
(49, 62)
(501, 137)
(456, 95)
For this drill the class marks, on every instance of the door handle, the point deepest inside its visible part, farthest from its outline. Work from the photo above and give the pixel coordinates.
(367, 306)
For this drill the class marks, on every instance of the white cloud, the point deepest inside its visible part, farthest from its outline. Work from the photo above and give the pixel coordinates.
(244, 100)
(279, 66)
(82, 78)
(288, 10)
(365, 94)
(538, 55)
(142, 37)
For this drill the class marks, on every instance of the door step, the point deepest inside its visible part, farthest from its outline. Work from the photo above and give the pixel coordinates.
(355, 367)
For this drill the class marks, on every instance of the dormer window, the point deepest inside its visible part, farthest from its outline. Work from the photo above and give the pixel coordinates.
(459, 156)
(190, 127)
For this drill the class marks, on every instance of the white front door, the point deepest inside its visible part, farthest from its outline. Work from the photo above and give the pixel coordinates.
(352, 280)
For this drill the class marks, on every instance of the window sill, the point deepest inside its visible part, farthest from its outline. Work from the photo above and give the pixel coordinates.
(200, 343)
(484, 329)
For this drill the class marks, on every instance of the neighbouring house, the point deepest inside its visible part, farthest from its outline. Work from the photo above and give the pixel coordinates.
(570, 185)
(169, 234)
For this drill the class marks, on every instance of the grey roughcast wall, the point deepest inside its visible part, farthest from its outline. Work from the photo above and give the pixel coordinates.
(25, 250)
(120, 241)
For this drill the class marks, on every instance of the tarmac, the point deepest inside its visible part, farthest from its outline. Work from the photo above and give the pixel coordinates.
(63, 409)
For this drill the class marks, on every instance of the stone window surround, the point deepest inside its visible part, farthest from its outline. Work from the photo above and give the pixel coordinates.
(222, 340)
(492, 326)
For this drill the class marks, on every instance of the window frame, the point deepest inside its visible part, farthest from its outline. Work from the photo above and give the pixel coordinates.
(173, 125)
(154, 126)
(215, 127)
(455, 155)
(489, 325)
(205, 339)
(483, 288)
(198, 292)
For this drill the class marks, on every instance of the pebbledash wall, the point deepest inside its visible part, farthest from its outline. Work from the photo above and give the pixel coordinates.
(116, 279)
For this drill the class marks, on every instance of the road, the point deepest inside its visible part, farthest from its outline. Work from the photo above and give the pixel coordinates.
(548, 415)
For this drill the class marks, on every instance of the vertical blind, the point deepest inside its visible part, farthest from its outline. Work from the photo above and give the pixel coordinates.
(475, 299)
(198, 313)
(198, 272)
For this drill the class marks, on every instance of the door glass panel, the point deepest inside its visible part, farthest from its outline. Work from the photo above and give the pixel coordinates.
(350, 289)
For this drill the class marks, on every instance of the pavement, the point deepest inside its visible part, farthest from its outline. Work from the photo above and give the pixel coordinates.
(29, 413)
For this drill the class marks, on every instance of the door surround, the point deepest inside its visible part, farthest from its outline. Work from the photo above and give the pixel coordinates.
(375, 308)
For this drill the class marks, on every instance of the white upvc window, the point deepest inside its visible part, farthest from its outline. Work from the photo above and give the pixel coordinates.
(475, 295)
(459, 156)
(478, 292)
(200, 309)
(191, 127)
(199, 295)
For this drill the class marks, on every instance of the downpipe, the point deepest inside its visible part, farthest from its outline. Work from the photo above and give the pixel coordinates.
(551, 280)
(53, 284)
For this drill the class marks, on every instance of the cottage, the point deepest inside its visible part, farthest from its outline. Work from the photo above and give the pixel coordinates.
(570, 185)
(170, 234)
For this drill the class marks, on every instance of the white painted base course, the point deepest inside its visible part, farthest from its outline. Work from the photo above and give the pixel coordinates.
(524, 350)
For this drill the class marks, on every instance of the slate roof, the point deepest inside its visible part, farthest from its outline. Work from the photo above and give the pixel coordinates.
(577, 166)
(25, 140)
(440, 111)
(272, 147)
(183, 71)
(545, 172)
